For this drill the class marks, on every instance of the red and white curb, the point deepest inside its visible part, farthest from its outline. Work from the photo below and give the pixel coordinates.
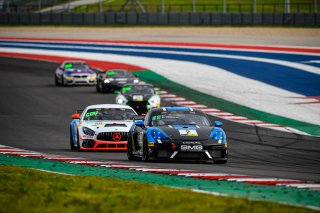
(180, 101)
(247, 179)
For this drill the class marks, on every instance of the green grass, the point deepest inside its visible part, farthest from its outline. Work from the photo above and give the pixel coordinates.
(28, 190)
(205, 6)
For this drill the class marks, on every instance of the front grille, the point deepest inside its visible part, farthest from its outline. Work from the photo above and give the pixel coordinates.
(216, 153)
(112, 136)
(140, 105)
(80, 76)
(191, 155)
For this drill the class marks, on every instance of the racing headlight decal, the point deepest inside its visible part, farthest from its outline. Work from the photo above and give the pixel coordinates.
(218, 135)
(88, 131)
(155, 135)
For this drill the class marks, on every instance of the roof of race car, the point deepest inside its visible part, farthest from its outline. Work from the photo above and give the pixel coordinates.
(108, 106)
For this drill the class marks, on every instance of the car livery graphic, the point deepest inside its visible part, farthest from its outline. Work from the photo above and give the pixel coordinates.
(74, 73)
(179, 133)
(141, 97)
(101, 127)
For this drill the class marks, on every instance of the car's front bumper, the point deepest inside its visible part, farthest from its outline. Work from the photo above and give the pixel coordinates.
(173, 151)
(95, 145)
(80, 81)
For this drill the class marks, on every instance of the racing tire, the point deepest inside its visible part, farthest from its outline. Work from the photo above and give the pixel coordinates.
(78, 144)
(56, 82)
(62, 82)
(72, 146)
(145, 150)
(130, 154)
(98, 89)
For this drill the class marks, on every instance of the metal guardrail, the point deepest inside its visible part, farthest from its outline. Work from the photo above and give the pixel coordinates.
(169, 8)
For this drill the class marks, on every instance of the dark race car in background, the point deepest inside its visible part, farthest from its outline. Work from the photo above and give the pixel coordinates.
(141, 97)
(113, 80)
(179, 133)
(74, 73)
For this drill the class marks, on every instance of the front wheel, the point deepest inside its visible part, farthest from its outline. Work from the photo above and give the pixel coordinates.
(72, 146)
(145, 150)
(130, 154)
(56, 82)
(78, 142)
(98, 89)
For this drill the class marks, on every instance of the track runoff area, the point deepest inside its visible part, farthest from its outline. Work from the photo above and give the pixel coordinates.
(259, 156)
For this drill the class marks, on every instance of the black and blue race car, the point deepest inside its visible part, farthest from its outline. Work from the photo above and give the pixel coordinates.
(177, 133)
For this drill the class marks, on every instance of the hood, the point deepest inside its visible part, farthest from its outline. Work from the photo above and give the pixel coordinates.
(187, 132)
(78, 71)
(109, 126)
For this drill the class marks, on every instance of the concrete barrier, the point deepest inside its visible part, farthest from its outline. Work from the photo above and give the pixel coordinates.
(183, 18)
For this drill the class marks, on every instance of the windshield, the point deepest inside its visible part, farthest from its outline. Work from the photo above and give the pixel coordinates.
(140, 89)
(165, 118)
(80, 66)
(102, 114)
(119, 74)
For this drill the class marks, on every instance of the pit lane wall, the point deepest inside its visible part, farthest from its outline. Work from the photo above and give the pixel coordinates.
(121, 18)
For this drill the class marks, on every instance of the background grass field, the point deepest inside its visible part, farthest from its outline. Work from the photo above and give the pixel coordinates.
(28, 190)
(205, 6)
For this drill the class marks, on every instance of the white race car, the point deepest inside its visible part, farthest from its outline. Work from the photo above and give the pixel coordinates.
(101, 127)
(74, 73)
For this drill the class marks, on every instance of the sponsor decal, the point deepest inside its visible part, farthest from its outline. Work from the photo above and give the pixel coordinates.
(191, 148)
(116, 136)
(150, 144)
(137, 98)
(188, 132)
(90, 114)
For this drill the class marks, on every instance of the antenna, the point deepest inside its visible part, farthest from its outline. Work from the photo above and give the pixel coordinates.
(134, 3)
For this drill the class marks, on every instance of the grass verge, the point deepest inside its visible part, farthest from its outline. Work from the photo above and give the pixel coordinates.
(36, 191)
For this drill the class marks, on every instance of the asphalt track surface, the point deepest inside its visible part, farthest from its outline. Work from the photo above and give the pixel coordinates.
(35, 115)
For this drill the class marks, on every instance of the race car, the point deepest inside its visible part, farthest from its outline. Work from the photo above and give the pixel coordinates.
(101, 127)
(177, 133)
(141, 97)
(74, 73)
(113, 80)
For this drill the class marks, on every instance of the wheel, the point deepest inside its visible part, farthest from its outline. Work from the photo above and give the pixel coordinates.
(72, 146)
(62, 82)
(56, 82)
(145, 150)
(98, 87)
(78, 143)
(130, 154)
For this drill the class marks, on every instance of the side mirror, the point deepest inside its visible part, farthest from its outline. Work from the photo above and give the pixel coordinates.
(139, 123)
(76, 116)
(218, 124)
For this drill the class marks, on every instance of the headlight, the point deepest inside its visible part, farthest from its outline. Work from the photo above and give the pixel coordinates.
(218, 136)
(155, 101)
(157, 134)
(135, 81)
(88, 131)
(108, 80)
(68, 77)
(120, 101)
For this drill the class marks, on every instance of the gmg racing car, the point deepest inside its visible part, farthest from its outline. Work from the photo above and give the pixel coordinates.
(101, 127)
(141, 97)
(74, 73)
(177, 133)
